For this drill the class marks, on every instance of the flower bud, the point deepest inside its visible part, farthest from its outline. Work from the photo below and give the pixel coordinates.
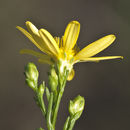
(31, 72)
(77, 105)
(41, 88)
(53, 80)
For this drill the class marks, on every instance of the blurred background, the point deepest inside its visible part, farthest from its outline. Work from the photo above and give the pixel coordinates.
(105, 85)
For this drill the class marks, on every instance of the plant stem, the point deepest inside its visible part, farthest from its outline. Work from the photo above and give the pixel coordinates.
(49, 112)
(43, 109)
(60, 93)
(57, 108)
(71, 123)
(41, 103)
(66, 123)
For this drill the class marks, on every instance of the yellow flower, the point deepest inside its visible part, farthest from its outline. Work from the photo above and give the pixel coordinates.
(65, 49)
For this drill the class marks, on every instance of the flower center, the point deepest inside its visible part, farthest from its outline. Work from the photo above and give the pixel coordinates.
(67, 64)
(66, 55)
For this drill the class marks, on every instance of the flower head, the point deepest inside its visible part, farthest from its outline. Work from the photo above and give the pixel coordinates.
(65, 49)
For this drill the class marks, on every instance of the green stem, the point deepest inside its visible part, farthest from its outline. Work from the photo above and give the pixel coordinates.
(66, 124)
(49, 112)
(71, 123)
(41, 103)
(56, 108)
(43, 108)
(61, 90)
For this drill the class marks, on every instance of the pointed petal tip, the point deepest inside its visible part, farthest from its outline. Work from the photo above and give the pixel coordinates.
(21, 52)
(28, 22)
(118, 57)
(75, 22)
(121, 57)
(32, 28)
(42, 30)
(113, 36)
(17, 27)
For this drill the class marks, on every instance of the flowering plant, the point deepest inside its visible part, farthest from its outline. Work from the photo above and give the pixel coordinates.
(61, 54)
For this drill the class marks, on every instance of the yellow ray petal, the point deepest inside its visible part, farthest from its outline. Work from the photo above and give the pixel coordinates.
(44, 61)
(96, 47)
(34, 32)
(37, 44)
(44, 57)
(34, 53)
(32, 29)
(26, 34)
(71, 35)
(96, 59)
(71, 75)
(49, 41)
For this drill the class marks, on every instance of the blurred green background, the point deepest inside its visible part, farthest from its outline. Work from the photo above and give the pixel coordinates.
(105, 85)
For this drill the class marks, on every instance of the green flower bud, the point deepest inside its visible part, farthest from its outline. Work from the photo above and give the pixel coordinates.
(31, 72)
(31, 84)
(41, 88)
(53, 80)
(77, 105)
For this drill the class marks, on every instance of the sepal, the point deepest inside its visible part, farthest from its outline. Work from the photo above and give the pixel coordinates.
(31, 84)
